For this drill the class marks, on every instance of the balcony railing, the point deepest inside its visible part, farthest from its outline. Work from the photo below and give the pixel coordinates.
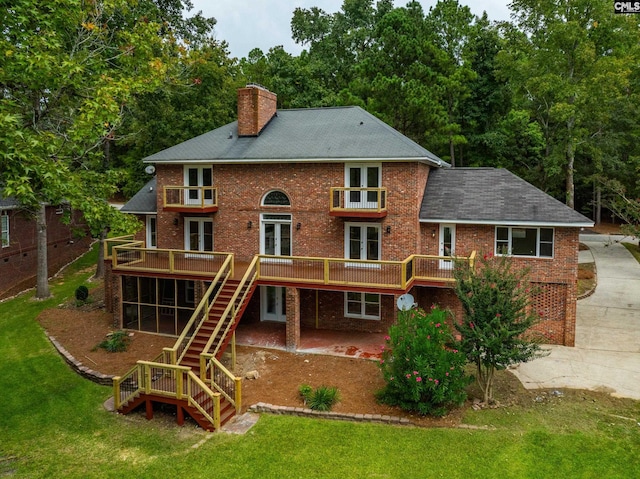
(358, 202)
(190, 198)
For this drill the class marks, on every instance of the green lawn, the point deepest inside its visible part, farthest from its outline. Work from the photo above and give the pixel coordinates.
(52, 424)
(633, 249)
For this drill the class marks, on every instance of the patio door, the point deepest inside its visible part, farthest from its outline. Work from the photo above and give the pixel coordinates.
(362, 241)
(200, 177)
(447, 244)
(273, 301)
(198, 234)
(275, 239)
(358, 178)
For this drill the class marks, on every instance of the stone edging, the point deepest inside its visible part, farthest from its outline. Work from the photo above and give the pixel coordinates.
(78, 367)
(595, 284)
(304, 412)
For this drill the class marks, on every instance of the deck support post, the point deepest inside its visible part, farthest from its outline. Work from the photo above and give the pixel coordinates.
(149, 408)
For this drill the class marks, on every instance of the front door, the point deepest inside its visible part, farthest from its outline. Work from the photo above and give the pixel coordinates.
(200, 177)
(198, 234)
(273, 300)
(359, 178)
(276, 235)
(447, 244)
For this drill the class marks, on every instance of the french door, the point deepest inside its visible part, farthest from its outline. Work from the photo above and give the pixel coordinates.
(275, 235)
(358, 179)
(198, 234)
(362, 241)
(447, 244)
(198, 177)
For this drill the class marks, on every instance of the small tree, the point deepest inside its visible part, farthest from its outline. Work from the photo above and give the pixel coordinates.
(496, 300)
(422, 369)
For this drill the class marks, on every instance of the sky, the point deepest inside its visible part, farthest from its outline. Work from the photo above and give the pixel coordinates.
(249, 24)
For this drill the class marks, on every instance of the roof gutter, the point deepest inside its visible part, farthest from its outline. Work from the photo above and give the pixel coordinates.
(583, 224)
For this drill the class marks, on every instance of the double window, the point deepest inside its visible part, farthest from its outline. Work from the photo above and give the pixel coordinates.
(519, 241)
(362, 305)
(4, 228)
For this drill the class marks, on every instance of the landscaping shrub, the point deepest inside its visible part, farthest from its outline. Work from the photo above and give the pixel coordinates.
(82, 293)
(423, 370)
(323, 398)
(116, 342)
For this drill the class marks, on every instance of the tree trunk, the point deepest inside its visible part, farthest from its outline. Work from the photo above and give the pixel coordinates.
(42, 271)
(598, 218)
(99, 274)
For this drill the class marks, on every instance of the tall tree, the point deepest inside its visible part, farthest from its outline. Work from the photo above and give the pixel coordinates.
(568, 62)
(69, 70)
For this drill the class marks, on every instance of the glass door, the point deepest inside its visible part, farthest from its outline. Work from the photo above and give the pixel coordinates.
(447, 244)
(273, 300)
(198, 234)
(276, 235)
(362, 241)
(358, 179)
(199, 177)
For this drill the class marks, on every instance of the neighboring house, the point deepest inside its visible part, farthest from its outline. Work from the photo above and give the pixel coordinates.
(320, 218)
(18, 255)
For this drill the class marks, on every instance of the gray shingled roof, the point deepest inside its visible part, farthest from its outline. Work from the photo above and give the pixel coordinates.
(144, 201)
(7, 203)
(492, 196)
(310, 134)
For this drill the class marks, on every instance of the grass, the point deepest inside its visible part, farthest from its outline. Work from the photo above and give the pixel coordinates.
(52, 424)
(633, 249)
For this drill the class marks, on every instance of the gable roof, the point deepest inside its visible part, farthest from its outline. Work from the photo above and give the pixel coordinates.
(144, 202)
(492, 196)
(302, 135)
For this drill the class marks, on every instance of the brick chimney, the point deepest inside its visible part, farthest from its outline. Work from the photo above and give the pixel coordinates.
(256, 107)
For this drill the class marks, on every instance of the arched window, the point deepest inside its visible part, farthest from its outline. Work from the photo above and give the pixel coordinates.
(276, 198)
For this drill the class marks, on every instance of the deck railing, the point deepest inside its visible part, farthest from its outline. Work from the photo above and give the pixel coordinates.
(134, 257)
(195, 197)
(170, 381)
(357, 273)
(109, 244)
(367, 200)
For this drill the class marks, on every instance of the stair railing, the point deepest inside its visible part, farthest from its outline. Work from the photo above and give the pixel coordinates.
(201, 312)
(222, 380)
(227, 318)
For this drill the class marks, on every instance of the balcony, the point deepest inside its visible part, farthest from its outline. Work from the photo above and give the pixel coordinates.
(358, 202)
(190, 199)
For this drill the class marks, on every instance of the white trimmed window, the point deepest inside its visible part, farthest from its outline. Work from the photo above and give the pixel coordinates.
(362, 305)
(4, 228)
(276, 198)
(519, 241)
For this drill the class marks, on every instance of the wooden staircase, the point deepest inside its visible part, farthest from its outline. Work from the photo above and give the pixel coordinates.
(191, 356)
(180, 380)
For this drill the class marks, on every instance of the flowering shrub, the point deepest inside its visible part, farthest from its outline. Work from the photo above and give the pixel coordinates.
(423, 370)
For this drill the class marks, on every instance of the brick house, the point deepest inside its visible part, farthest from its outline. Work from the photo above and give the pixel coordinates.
(332, 215)
(18, 256)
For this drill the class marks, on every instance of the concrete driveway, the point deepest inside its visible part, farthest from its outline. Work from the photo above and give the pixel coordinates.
(607, 352)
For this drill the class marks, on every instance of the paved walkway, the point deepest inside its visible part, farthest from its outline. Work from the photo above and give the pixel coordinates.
(606, 356)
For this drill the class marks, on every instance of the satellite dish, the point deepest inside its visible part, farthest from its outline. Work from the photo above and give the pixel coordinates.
(150, 170)
(405, 302)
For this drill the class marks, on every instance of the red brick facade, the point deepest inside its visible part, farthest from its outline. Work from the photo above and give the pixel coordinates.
(18, 261)
(237, 223)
